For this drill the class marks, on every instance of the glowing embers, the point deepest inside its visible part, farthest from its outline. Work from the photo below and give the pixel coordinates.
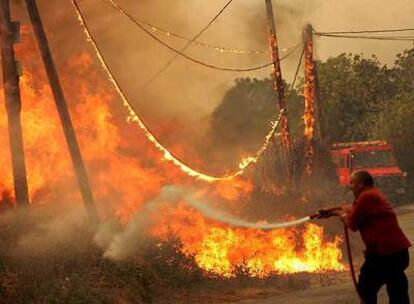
(309, 115)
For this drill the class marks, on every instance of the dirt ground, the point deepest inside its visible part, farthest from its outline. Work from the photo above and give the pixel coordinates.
(344, 292)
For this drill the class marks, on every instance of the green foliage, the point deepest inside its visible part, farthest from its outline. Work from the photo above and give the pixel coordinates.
(364, 100)
(403, 73)
(361, 99)
(353, 91)
(396, 125)
(242, 119)
(252, 98)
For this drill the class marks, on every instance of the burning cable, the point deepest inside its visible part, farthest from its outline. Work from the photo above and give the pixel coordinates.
(133, 117)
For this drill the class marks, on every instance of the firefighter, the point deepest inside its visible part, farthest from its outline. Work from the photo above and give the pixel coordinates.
(386, 255)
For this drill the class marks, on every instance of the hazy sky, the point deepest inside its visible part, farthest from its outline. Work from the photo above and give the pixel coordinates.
(189, 91)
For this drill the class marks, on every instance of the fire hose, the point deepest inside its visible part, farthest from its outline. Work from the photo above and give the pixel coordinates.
(217, 215)
(320, 214)
(238, 223)
(351, 262)
(327, 213)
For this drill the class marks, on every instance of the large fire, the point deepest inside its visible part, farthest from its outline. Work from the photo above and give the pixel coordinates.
(126, 172)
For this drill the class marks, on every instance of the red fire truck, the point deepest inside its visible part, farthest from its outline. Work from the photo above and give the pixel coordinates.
(376, 157)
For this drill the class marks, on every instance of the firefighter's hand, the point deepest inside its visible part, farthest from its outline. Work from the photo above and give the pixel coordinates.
(327, 213)
(343, 211)
(336, 212)
(343, 216)
(347, 208)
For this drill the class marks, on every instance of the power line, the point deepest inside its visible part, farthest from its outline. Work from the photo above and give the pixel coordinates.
(194, 60)
(218, 48)
(292, 86)
(134, 117)
(384, 38)
(367, 31)
(177, 52)
(204, 29)
(214, 47)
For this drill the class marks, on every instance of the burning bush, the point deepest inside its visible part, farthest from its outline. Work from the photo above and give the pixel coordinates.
(49, 255)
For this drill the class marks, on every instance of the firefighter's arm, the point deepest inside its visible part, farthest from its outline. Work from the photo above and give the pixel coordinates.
(355, 216)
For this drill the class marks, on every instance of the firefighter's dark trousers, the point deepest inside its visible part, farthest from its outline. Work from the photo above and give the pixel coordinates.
(385, 270)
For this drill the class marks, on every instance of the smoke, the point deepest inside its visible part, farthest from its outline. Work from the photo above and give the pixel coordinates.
(122, 243)
(191, 92)
(44, 231)
(357, 15)
(54, 230)
(187, 93)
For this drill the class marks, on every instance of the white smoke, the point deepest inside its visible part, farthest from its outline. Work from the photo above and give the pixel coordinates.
(124, 243)
(121, 243)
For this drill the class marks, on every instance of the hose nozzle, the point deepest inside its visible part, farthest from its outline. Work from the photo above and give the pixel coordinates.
(326, 213)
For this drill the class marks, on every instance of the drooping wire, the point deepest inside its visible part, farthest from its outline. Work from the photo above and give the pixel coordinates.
(202, 31)
(133, 117)
(218, 48)
(180, 52)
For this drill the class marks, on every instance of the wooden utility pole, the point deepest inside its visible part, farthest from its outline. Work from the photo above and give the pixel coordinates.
(320, 121)
(277, 75)
(309, 115)
(61, 105)
(9, 32)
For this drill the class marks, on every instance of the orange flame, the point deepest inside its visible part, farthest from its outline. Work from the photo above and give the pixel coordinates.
(262, 254)
(222, 251)
(126, 172)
